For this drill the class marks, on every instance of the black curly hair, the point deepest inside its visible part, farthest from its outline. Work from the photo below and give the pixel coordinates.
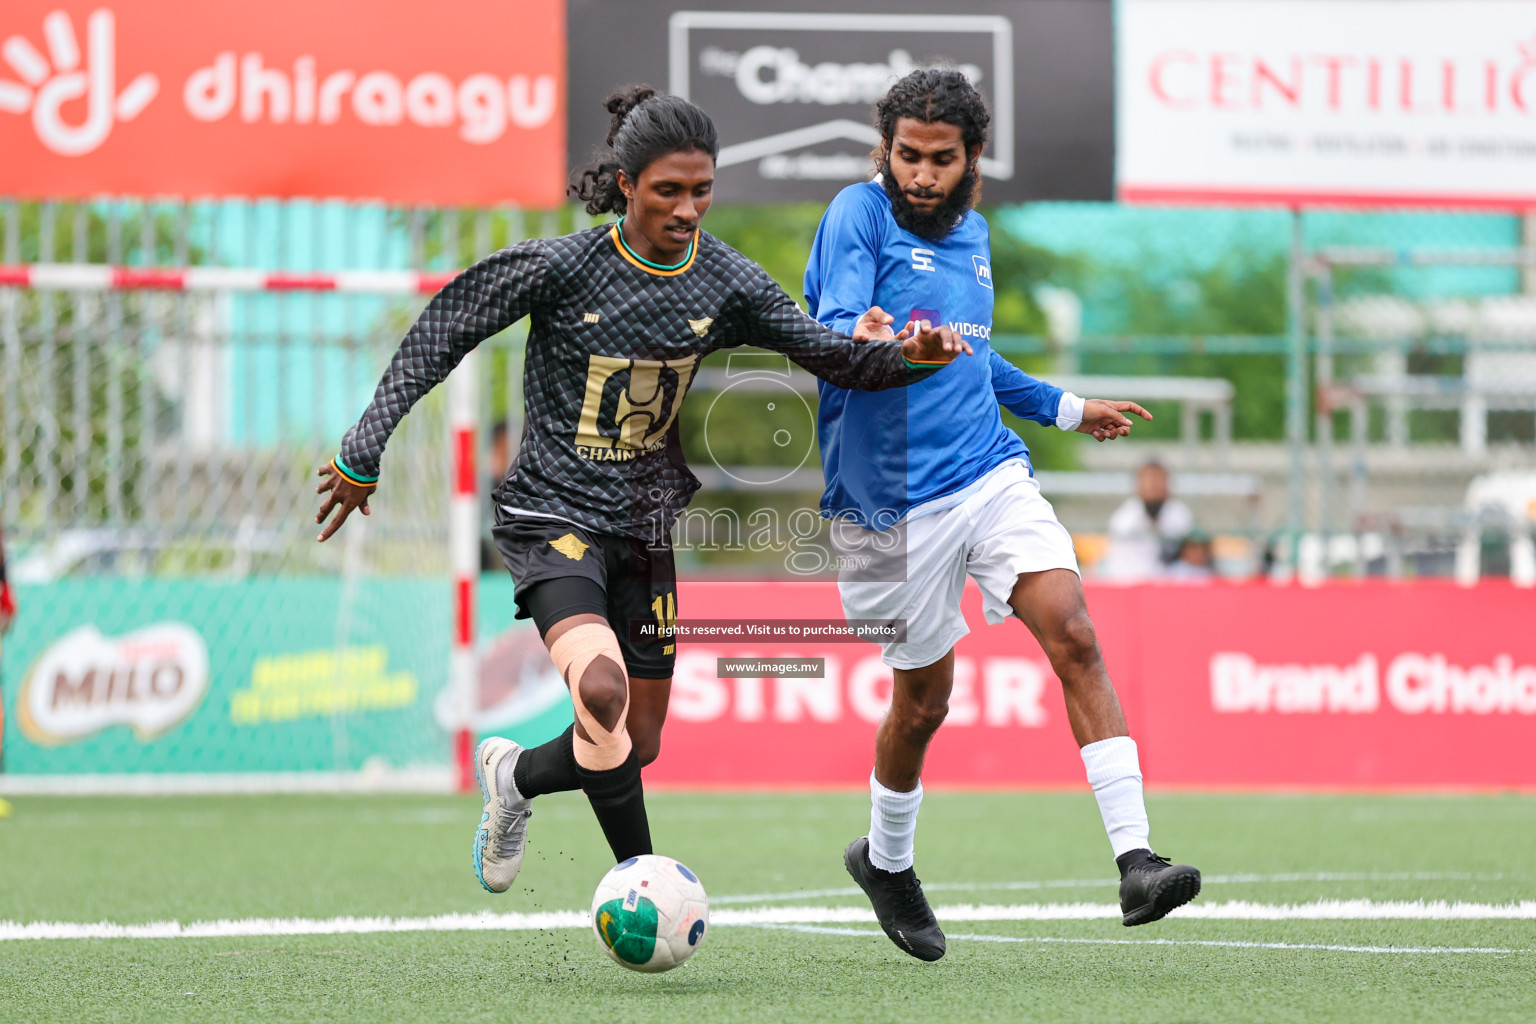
(646, 125)
(931, 95)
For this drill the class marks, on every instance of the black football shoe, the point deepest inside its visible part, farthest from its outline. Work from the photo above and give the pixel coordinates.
(1150, 886)
(899, 903)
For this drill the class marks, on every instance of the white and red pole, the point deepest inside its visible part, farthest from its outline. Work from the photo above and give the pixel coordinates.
(464, 558)
(463, 406)
(97, 276)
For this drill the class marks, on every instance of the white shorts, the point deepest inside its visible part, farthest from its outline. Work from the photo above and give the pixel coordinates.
(1005, 528)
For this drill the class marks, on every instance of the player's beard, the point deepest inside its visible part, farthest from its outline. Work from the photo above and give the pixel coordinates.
(931, 224)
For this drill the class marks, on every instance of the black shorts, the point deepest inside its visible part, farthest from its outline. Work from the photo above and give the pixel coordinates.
(634, 583)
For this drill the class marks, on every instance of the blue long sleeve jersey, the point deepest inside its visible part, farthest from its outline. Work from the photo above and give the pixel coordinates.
(918, 449)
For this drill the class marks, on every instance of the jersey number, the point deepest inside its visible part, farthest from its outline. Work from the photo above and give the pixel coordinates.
(665, 607)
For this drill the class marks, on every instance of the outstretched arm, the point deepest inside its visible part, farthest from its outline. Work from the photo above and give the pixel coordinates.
(484, 300)
(1032, 399)
(775, 322)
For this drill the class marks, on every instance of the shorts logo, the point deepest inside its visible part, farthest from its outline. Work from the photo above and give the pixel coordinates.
(701, 327)
(983, 271)
(630, 405)
(922, 259)
(570, 547)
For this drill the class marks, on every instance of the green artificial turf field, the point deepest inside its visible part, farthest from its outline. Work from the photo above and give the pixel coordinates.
(200, 859)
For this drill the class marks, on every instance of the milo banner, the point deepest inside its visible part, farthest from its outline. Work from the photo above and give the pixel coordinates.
(115, 676)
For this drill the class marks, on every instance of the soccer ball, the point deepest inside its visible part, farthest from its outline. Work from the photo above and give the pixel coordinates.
(650, 913)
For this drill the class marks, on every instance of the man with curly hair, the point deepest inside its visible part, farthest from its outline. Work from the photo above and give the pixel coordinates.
(620, 316)
(927, 485)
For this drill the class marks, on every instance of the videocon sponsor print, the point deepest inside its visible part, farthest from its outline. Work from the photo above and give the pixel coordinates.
(341, 98)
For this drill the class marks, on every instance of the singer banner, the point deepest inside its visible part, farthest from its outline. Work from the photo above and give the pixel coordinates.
(1356, 685)
(455, 104)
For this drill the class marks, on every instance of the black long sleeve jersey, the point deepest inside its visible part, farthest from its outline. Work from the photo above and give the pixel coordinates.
(612, 349)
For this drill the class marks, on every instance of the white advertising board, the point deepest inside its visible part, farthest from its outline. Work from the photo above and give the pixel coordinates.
(1327, 102)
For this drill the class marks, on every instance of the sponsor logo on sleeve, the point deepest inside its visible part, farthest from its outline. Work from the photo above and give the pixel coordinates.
(983, 271)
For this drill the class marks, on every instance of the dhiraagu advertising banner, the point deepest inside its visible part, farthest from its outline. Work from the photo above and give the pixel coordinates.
(111, 676)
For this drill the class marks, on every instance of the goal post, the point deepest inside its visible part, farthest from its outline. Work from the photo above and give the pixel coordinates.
(180, 628)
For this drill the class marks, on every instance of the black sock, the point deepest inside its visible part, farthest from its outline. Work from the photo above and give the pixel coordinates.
(548, 768)
(619, 803)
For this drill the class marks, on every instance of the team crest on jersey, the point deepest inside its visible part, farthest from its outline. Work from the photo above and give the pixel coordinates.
(630, 404)
(701, 327)
(570, 547)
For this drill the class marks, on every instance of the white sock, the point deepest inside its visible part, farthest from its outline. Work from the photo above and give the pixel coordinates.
(1114, 772)
(892, 825)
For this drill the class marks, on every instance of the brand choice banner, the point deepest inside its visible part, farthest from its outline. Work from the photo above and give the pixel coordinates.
(1350, 101)
(791, 87)
(285, 98)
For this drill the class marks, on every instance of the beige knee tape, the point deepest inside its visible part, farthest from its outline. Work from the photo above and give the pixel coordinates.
(572, 653)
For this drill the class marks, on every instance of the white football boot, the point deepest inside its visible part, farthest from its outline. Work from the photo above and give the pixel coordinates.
(502, 834)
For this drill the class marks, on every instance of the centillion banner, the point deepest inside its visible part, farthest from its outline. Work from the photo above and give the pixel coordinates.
(1344, 102)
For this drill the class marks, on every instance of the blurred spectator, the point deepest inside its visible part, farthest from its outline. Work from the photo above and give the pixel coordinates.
(1196, 559)
(1145, 532)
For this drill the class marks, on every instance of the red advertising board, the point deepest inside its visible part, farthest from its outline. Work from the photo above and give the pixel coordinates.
(459, 103)
(1360, 685)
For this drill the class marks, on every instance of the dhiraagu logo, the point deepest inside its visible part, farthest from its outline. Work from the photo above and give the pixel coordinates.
(50, 81)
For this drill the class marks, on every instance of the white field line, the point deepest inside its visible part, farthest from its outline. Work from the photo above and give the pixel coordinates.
(1234, 910)
(1236, 944)
(1086, 883)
